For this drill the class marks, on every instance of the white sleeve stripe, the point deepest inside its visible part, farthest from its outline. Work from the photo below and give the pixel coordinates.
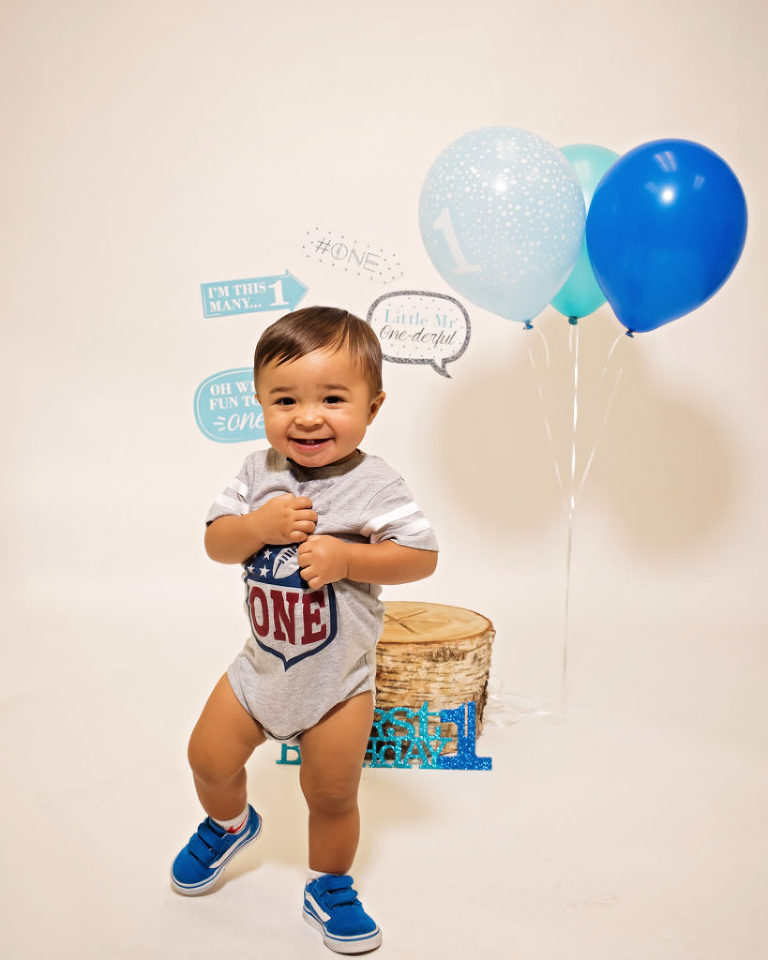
(238, 486)
(235, 506)
(400, 513)
(417, 526)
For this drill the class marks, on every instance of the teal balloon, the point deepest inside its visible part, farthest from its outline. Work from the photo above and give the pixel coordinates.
(502, 216)
(581, 295)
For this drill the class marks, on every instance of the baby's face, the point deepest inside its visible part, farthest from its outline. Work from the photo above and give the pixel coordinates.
(316, 408)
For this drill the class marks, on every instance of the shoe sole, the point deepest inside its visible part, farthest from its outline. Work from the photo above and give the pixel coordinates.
(205, 885)
(371, 941)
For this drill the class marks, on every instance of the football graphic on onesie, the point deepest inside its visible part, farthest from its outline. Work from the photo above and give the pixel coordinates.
(285, 563)
(288, 619)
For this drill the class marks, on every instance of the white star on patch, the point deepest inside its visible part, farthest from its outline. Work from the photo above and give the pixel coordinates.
(263, 571)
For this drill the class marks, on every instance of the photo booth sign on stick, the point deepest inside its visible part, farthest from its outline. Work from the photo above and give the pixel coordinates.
(226, 408)
(347, 254)
(252, 295)
(414, 326)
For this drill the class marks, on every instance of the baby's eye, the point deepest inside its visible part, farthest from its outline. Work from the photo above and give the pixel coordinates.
(284, 401)
(334, 400)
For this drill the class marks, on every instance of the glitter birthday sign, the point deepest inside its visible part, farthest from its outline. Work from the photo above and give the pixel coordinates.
(401, 737)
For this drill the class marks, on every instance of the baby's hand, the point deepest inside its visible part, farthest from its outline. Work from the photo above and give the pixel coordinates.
(323, 560)
(285, 519)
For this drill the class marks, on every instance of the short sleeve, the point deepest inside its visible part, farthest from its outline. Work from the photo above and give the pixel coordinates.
(393, 514)
(234, 498)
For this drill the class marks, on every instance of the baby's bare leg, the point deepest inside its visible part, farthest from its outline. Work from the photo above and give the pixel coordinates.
(332, 755)
(223, 739)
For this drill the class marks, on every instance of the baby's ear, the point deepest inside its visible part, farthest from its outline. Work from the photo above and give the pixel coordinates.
(375, 405)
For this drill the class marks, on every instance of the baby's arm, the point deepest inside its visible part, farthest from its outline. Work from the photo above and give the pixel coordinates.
(325, 559)
(283, 519)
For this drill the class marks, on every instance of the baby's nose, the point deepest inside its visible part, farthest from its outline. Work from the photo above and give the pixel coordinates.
(309, 415)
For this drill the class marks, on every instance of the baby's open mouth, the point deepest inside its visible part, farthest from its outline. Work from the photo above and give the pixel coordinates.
(311, 443)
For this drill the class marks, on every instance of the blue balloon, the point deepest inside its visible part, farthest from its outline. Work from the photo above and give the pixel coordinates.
(502, 218)
(665, 229)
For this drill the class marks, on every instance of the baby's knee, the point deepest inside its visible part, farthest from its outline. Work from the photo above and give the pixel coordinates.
(331, 797)
(208, 764)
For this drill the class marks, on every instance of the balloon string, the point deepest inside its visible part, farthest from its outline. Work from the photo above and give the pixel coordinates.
(540, 392)
(544, 343)
(621, 338)
(574, 347)
(574, 491)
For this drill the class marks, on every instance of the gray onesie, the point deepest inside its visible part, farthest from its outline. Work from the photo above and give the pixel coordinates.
(311, 649)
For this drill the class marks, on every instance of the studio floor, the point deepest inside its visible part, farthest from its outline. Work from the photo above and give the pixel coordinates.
(633, 827)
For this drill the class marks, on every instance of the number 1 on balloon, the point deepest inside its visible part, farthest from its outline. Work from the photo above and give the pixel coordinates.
(445, 224)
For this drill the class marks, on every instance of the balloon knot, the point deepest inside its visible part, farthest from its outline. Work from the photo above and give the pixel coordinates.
(573, 321)
(527, 325)
(630, 333)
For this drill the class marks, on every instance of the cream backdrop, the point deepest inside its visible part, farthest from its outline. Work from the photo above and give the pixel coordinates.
(152, 147)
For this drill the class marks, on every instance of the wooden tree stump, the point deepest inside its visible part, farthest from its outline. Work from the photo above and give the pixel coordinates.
(433, 653)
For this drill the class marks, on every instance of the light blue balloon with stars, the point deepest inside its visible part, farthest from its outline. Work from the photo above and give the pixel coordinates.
(502, 218)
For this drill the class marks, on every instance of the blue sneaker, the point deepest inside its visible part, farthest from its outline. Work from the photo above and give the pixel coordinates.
(199, 864)
(331, 906)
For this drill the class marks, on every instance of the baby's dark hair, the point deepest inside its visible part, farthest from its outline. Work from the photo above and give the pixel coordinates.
(320, 328)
